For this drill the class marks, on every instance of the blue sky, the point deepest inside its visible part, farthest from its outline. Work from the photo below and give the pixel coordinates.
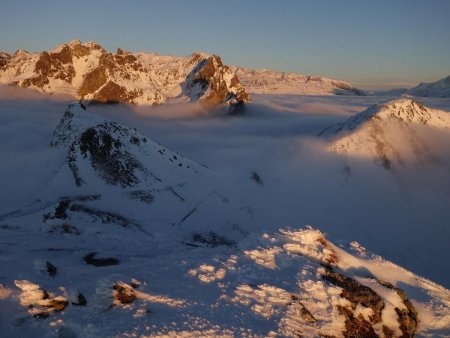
(373, 44)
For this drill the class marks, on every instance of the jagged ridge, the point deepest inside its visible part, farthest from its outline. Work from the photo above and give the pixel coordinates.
(87, 71)
(265, 81)
(119, 155)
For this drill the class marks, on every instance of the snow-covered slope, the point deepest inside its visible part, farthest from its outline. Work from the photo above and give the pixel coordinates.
(393, 133)
(105, 172)
(87, 71)
(270, 82)
(62, 283)
(439, 88)
(129, 238)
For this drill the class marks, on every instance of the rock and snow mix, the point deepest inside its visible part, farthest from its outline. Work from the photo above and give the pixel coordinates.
(393, 134)
(265, 81)
(131, 239)
(87, 71)
(311, 288)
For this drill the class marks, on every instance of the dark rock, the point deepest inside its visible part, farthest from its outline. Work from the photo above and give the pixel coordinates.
(256, 178)
(209, 77)
(331, 258)
(124, 293)
(306, 315)
(210, 239)
(356, 326)
(356, 293)
(108, 155)
(57, 305)
(104, 216)
(42, 315)
(81, 300)
(142, 195)
(51, 269)
(92, 82)
(65, 228)
(407, 318)
(60, 210)
(52, 65)
(91, 260)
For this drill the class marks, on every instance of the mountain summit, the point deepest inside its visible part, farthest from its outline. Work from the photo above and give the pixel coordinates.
(392, 133)
(87, 71)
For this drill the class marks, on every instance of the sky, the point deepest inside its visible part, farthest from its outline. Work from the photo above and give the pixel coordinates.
(372, 44)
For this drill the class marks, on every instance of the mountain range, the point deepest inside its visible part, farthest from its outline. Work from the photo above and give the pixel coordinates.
(266, 81)
(89, 72)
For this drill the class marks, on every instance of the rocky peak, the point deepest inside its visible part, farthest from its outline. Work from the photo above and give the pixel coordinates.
(4, 57)
(212, 82)
(118, 155)
(74, 43)
(21, 53)
(87, 71)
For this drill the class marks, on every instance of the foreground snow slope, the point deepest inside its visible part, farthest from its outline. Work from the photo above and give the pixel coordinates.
(290, 283)
(128, 238)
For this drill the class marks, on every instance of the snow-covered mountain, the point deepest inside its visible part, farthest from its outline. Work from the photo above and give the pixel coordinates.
(439, 88)
(393, 133)
(129, 238)
(89, 72)
(265, 81)
(108, 172)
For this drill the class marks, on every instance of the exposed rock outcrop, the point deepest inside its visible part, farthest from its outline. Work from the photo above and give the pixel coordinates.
(213, 83)
(114, 153)
(4, 57)
(87, 71)
(40, 303)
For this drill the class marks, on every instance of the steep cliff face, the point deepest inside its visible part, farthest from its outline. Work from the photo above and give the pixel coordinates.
(212, 82)
(87, 71)
(4, 57)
